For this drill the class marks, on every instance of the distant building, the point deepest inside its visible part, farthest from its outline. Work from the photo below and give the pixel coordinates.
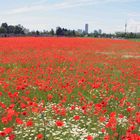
(100, 31)
(26, 31)
(80, 31)
(86, 28)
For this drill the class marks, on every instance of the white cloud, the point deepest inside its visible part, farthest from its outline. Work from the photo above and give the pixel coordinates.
(44, 5)
(133, 25)
(133, 22)
(134, 14)
(26, 9)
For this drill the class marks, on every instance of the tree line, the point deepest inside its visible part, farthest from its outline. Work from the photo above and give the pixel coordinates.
(10, 29)
(127, 35)
(19, 30)
(15, 30)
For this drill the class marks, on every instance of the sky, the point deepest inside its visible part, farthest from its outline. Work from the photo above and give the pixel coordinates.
(108, 15)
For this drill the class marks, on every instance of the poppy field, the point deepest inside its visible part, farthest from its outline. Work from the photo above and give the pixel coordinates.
(69, 89)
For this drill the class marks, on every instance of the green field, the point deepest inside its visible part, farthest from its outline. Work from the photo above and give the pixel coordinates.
(137, 40)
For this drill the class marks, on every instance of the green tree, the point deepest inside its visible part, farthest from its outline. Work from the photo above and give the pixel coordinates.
(11, 29)
(2, 30)
(52, 32)
(59, 31)
(18, 30)
(5, 27)
(37, 33)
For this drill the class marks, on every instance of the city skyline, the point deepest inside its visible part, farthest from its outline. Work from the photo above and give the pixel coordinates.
(108, 15)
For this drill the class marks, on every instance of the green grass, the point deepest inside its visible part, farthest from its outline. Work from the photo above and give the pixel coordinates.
(136, 40)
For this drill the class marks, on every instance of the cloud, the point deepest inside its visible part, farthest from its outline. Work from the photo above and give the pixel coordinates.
(133, 25)
(134, 14)
(133, 21)
(26, 9)
(44, 5)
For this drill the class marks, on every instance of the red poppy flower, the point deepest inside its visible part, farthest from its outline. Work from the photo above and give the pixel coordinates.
(49, 97)
(59, 123)
(2, 134)
(4, 120)
(29, 123)
(12, 137)
(19, 121)
(39, 136)
(8, 130)
(89, 137)
(76, 118)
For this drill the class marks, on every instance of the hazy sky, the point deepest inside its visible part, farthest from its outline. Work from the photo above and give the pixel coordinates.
(108, 15)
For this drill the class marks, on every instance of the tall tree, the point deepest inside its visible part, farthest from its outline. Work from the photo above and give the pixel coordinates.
(5, 26)
(11, 29)
(59, 31)
(18, 30)
(2, 30)
(52, 32)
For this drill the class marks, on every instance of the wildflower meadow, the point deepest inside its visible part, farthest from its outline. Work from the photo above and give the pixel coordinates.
(69, 89)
